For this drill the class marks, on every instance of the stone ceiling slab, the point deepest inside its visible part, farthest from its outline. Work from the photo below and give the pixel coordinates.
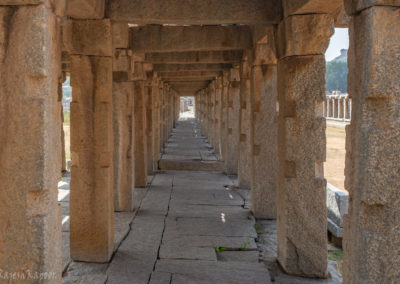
(194, 12)
(190, 38)
(193, 57)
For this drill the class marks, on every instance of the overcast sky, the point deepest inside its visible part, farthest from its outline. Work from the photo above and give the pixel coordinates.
(339, 41)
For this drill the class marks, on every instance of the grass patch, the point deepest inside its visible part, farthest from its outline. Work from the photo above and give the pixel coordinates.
(336, 254)
(67, 120)
(219, 249)
(258, 228)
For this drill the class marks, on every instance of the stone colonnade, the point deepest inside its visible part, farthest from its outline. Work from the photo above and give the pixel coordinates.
(337, 107)
(259, 99)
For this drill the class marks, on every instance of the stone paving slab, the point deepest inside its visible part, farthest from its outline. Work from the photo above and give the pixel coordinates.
(181, 209)
(209, 227)
(210, 241)
(181, 251)
(214, 271)
(160, 278)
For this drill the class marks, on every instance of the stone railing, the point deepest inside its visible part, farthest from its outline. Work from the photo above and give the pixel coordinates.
(337, 106)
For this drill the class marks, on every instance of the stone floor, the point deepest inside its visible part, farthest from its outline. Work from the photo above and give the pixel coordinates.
(191, 227)
(188, 149)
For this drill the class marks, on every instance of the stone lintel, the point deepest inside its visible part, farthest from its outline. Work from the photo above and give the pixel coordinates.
(190, 38)
(195, 57)
(194, 12)
(190, 74)
(191, 67)
(302, 7)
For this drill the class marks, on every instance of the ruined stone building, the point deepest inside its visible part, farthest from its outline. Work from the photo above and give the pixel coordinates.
(257, 71)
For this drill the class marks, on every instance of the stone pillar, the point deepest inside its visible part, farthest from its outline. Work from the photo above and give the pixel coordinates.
(156, 121)
(140, 137)
(218, 116)
(244, 160)
(30, 217)
(233, 110)
(91, 197)
(372, 226)
(149, 121)
(123, 130)
(264, 129)
(224, 116)
(301, 196)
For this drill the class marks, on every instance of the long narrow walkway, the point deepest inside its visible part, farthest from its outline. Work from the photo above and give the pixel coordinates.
(190, 227)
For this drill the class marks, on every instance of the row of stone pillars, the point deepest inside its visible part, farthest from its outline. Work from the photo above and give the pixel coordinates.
(264, 117)
(337, 107)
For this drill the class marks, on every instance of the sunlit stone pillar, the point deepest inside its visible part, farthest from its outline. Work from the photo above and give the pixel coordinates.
(372, 226)
(30, 218)
(264, 128)
(301, 196)
(123, 130)
(91, 197)
(244, 161)
(233, 110)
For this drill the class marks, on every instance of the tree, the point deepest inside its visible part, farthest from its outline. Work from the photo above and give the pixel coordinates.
(336, 76)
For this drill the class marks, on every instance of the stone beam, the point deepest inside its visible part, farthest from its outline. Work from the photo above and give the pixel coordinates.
(301, 7)
(190, 67)
(194, 12)
(190, 38)
(205, 75)
(195, 57)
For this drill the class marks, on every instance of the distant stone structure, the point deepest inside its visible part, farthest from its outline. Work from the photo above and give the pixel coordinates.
(337, 106)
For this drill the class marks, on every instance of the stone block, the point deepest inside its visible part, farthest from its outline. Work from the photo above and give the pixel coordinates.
(88, 37)
(122, 60)
(337, 202)
(355, 6)
(120, 35)
(304, 35)
(86, 9)
(301, 195)
(92, 148)
(264, 141)
(302, 7)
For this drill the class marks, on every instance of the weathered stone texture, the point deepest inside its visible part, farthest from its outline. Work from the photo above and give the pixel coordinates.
(371, 237)
(149, 124)
(140, 139)
(92, 210)
(154, 38)
(30, 218)
(244, 159)
(264, 141)
(304, 34)
(86, 9)
(88, 37)
(302, 7)
(355, 6)
(233, 109)
(123, 145)
(301, 200)
(196, 12)
(195, 57)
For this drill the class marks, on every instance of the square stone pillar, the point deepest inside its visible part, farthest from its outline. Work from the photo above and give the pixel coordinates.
(301, 196)
(91, 197)
(140, 137)
(264, 129)
(123, 130)
(224, 116)
(156, 121)
(372, 226)
(30, 217)
(244, 160)
(233, 110)
(218, 116)
(149, 96)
